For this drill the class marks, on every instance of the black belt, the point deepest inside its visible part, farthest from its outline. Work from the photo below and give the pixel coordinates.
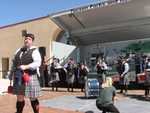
(30, 72)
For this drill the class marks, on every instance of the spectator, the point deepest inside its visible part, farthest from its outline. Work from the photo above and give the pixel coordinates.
(105, 101)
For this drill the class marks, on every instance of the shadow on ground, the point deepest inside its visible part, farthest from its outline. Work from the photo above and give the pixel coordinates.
(84, 97)
(138, 97)
(89, 112)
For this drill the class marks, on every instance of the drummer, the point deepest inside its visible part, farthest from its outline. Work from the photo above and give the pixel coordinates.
(147, 81)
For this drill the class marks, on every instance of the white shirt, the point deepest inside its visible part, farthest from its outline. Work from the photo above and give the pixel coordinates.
(36, 61)
(126, 68)
(36, 58)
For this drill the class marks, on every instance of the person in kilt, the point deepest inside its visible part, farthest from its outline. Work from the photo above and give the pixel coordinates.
(147, 80)
(24, 74)
(101, 70)
(83, 72)
(70, 76)
(124, 77)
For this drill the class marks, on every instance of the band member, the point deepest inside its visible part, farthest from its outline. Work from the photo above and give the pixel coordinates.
(24, 74)
(101, 70)
(55, 74)
(70, 77)
(147, 81)
(83, 71)
(124, 81)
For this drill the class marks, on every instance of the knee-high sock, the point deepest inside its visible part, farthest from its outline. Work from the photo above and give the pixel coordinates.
(20, 106)
(35, 105)
(126, 88)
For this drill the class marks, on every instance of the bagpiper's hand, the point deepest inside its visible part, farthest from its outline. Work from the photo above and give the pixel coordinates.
(23, 67)
(116, 98)
(121, 75)
(10, 76)
(10, 82)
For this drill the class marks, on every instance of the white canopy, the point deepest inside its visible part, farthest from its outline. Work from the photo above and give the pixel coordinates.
(107, 22)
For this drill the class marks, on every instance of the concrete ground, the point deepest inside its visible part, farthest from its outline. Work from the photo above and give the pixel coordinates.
(68, 102)
(7, 102)
(74, 102)
(134, 102)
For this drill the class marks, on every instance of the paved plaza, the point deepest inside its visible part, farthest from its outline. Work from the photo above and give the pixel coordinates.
(132, 103)
(74, 102)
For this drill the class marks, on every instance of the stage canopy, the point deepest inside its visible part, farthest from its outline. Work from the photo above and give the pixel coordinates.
(109, 21)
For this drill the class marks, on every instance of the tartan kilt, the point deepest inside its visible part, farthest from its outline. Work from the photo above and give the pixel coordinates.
(125, 80)
(70, 78)
(82, 79)
(31, 89)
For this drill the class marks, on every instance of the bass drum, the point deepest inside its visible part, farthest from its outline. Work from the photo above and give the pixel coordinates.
(91, 87)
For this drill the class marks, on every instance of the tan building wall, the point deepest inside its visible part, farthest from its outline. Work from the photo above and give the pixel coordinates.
(44, 29)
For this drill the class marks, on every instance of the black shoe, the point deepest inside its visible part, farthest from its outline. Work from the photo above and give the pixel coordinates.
(121, 91)
(68, 90)
(56, 89)
(125, 93)
(72, 90)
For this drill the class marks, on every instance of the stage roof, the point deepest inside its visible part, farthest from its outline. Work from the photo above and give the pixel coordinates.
(106, 21)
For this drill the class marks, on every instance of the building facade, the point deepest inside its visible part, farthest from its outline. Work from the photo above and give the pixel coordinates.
(44, 29)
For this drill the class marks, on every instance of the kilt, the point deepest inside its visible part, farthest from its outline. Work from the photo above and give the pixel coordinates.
(54, 77)
(31, 89)
(125, 79)
(101, 77)
(82, 79)
(147, 81)
(70, 78)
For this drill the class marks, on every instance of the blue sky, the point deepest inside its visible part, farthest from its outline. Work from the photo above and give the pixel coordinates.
(14, 11)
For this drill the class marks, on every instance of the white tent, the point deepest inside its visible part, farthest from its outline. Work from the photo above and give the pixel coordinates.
(112, 20)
